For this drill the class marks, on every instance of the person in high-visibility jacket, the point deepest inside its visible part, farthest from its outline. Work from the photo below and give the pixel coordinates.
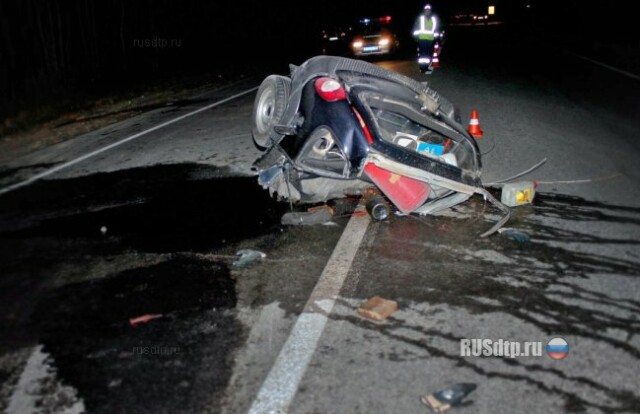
(425, 31)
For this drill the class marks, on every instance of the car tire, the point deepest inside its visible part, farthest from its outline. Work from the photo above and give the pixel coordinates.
(268, 107)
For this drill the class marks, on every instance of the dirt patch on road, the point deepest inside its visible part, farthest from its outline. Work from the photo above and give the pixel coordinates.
(42, 127)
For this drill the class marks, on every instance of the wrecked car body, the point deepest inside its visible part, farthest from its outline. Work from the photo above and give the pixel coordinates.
(336, 127)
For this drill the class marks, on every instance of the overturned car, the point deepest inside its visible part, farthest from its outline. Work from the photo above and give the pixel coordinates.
(337, 127)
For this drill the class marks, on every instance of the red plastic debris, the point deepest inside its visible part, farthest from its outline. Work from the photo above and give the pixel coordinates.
(143, 319)
(406, 193)
(360, 213)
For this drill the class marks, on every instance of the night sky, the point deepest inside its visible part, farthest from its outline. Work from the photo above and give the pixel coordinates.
(56, 49)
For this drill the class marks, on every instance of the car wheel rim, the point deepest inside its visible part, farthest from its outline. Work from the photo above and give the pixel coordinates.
(265, 110)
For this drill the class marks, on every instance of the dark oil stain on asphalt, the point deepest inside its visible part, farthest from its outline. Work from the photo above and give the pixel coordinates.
(117, 367)
(177, 363)
(440, 258)
(157, 209)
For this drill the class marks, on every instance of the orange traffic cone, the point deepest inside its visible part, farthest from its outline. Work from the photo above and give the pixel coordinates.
(474, 125)
(435, 63)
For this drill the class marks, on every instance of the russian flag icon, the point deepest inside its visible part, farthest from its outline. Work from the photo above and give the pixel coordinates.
(557, 348)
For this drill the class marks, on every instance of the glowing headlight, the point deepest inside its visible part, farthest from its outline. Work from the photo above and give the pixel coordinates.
(357, 44)
(383, 42)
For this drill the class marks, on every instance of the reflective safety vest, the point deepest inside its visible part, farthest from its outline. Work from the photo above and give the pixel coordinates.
(427, 28)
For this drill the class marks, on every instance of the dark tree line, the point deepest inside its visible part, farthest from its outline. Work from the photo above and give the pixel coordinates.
(50, 48)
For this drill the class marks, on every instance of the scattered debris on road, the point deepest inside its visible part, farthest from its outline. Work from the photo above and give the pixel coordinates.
(143, 319)
(443, 400)
(376, 205)
(247, 257)
(515, 235)
(518, 175)
(518, 193)
(377, 308)
(314, 215)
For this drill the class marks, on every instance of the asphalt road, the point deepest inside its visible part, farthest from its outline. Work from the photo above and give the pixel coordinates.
(150, 224)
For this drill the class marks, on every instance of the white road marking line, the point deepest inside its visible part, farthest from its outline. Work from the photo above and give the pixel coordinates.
(38, 383)
(55, 169)
(281, 384)
(604, 65)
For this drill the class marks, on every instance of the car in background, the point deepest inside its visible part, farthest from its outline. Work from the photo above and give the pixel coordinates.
(472, 19)
(374, 36)
(480, 18)
(335, 40)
